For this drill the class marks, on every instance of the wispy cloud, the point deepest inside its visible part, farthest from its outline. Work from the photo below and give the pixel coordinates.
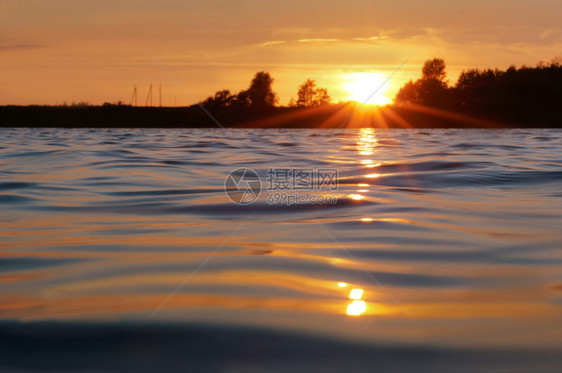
(323, 40)
(372, 38)
(269, 43)
(317, 40)
(550, 32)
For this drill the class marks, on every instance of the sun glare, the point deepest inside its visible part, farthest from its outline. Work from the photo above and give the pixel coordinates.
(367, 87)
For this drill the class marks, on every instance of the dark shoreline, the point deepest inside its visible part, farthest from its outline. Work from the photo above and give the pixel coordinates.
(328, 116)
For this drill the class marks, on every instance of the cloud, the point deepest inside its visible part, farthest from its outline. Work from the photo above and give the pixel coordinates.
(550, 32)
(372, 38)
(274, 42)
(317, 40)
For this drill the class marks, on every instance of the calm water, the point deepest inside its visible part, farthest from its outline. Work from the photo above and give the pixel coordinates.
(454, 236)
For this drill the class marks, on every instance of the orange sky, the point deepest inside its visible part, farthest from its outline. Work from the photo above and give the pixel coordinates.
(96, 51)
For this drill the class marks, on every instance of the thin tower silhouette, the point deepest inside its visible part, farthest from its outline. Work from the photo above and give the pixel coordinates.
(134, 98)
(149, 97)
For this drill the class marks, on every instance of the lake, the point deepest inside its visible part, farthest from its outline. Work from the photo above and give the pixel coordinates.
(445, 239)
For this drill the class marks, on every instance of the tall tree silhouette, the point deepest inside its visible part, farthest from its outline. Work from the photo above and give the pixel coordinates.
(431, 89)
(260, 93)
(434, 70)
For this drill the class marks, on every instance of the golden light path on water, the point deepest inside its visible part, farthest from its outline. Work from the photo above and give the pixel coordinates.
(366, 147)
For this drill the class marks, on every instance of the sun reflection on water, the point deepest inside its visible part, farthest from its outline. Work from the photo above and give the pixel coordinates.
(357, 307)
(356, 294)
(366, 147)
(356, 197)
(367, 142)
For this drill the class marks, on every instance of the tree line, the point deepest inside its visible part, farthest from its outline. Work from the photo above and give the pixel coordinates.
(515, 95)
(527, 96)
(260, 95)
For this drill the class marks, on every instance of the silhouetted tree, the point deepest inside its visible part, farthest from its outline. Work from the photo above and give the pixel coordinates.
(118, 103)
(432, 92)
(322, 96)
(242, 99)
(309, 95)
(431, 89)
(408, 93)
(260, 94)
(434, 69)
(479, 88)
(221, 99)
(306, 93)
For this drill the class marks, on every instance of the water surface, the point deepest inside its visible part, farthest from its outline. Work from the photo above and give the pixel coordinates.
(452, 235)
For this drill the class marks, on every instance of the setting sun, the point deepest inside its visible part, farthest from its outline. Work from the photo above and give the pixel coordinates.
(367, 87)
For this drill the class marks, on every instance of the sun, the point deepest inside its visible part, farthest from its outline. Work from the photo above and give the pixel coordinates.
(367, 87)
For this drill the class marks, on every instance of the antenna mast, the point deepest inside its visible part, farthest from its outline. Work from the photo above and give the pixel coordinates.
(134, 98)
(149, 97)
